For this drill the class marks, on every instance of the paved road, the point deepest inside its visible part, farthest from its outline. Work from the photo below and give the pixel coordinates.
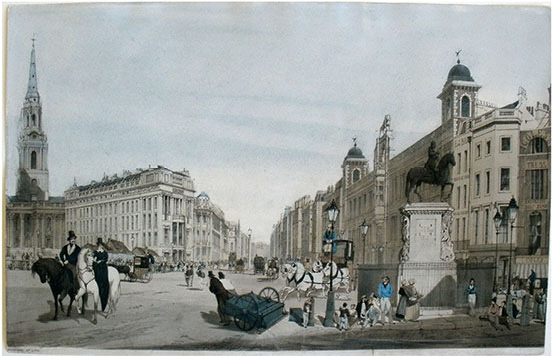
(166, 315)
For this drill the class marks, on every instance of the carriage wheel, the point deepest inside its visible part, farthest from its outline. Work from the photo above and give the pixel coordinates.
(246, 317)
(269, 293)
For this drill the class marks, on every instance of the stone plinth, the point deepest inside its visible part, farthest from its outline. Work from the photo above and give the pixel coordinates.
(427, 254)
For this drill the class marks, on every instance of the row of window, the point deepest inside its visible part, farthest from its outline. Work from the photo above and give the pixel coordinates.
(536, 179)
(131, 206)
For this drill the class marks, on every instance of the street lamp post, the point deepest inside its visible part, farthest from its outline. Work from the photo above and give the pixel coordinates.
(330, 237)
(512, 214)
(497, 222)
(249, 232)
(363, 230)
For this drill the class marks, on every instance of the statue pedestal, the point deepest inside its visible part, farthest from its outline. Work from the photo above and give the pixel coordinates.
(428, 255)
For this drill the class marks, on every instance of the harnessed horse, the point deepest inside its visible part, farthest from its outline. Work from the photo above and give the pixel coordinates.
(304, 281)
(88, 285)
(340, 276)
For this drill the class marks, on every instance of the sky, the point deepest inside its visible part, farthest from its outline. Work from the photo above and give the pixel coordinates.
(259, 101)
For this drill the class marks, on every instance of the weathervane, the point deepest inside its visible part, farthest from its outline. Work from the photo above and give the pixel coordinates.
(33, 39)
(354, 140)
(458, 56)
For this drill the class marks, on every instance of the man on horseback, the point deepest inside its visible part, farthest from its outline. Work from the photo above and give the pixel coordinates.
(432, 158)
(69, 256)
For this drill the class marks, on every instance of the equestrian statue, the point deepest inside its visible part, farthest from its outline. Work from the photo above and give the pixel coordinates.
(434, 172)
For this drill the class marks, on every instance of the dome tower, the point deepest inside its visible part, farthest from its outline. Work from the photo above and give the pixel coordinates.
(355, 165)
(459, 95)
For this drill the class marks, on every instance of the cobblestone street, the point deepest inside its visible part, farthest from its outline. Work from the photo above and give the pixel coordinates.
(166, 315)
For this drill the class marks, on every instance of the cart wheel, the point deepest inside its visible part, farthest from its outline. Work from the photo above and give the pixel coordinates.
(246, 317)
(132, 277)
(270, 293)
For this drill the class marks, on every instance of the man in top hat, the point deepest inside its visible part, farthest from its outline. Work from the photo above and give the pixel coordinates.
(69, 254)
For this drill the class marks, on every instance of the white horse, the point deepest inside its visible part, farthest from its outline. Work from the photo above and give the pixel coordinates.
(304, 281)
(340, 276)
(317, 266)
(88, 285)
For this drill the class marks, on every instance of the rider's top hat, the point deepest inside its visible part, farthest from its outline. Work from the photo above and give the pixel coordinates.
(71, 236)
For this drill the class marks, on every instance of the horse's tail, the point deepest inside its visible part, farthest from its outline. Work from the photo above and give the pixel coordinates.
(116, 294)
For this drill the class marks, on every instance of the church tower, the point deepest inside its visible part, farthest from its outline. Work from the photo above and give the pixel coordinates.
(33, 180)
(458, 96)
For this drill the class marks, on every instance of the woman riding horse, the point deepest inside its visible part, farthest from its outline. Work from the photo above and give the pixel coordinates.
(100, 272)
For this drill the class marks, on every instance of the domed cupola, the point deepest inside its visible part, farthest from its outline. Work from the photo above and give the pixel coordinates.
(202, 199)
(459, 72)
(458, 96)
(355, 152)
(355, 165)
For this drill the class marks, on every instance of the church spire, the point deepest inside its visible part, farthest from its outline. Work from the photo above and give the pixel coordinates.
(32, 91)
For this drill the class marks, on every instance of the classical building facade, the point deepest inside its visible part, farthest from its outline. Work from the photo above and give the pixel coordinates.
(34, 219)
(210, 241)
(152, 207)
(499, 153)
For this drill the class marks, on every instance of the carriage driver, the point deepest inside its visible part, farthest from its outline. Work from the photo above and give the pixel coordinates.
(69, 255)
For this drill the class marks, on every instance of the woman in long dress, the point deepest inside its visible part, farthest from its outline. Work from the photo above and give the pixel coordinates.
(100, 273)
(412, 305)
(401, 308)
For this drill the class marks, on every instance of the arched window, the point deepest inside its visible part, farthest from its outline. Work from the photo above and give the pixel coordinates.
(33, 160)
(356, 175)
(34, 119)
(465, 106)
(538, 145)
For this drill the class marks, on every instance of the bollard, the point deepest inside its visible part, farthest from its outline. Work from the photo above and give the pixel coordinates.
(311, 315)
(525, 314)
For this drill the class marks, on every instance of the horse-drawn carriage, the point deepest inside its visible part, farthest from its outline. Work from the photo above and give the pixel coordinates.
(258, 265)
(255, 310)
(138, 271)
(141, 270)
(299, 279)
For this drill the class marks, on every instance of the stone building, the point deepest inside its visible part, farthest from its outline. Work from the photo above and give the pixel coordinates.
(151, 207)
(499, 153)
(34, 219)
(210, 236)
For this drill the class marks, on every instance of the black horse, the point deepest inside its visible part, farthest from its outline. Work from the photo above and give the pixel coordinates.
(418, 175)
(59, 280)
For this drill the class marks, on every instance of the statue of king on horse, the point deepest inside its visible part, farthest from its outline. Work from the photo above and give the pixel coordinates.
(434, 172)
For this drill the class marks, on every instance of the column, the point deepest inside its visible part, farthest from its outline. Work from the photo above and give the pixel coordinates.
(43, 231)
(11, 230)
(21, 230)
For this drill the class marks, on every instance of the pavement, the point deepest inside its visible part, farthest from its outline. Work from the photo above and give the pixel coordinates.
(167, 315)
